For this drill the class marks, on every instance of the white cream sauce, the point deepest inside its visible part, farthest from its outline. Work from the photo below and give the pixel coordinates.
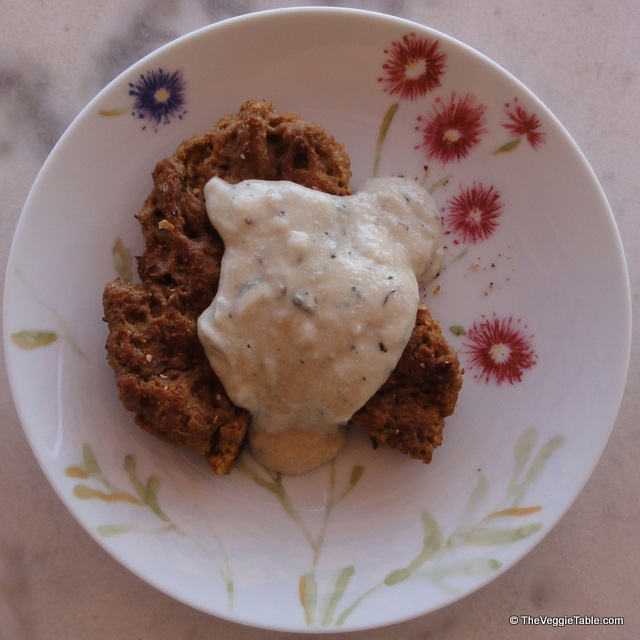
(317, 296)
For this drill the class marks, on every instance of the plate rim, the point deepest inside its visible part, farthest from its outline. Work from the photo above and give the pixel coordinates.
(298, 11)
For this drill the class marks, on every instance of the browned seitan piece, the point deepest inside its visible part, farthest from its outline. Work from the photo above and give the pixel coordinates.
(408, 411)
(162, 373)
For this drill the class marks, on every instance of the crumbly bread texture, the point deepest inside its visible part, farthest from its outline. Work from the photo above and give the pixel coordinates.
(162, 373)
(408, 411)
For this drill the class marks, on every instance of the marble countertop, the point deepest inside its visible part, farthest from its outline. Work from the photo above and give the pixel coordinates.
(580, 58)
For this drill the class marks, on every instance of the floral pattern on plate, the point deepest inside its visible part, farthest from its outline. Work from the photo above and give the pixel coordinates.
(496, 349)
(504, 523)
(159, 96)
(449, 128)
(499, 350)
(372, 538)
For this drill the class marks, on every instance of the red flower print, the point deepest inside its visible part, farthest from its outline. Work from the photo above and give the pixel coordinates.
(499, 350)
(454, 128)
(414, 66)
(474, 213)
(520, 123)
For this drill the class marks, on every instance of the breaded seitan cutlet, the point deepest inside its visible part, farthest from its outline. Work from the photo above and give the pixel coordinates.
(162, 373)
(408, 411)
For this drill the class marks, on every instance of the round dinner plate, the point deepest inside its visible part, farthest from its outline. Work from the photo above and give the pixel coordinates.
(533, 295)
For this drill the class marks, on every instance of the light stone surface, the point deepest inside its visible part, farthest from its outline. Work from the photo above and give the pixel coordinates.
(581, 58)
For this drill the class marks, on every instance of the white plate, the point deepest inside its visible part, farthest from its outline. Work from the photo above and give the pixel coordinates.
(534, 297)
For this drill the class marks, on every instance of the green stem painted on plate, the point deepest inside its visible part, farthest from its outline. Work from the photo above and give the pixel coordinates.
(65, 329)
(308, 583)
(382, 135)
(472, 529)
(144, 494)
(498, 526)
(118, 111)
(340, 586)
(507, 147)
(29, 339)
(441, 183)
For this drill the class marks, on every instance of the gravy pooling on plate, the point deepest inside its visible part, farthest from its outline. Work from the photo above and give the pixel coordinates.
(316, 302)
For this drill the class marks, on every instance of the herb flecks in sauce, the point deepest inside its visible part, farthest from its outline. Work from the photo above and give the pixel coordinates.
(329, 305)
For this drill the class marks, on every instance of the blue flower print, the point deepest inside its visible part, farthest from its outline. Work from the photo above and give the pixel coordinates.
(159, 97)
